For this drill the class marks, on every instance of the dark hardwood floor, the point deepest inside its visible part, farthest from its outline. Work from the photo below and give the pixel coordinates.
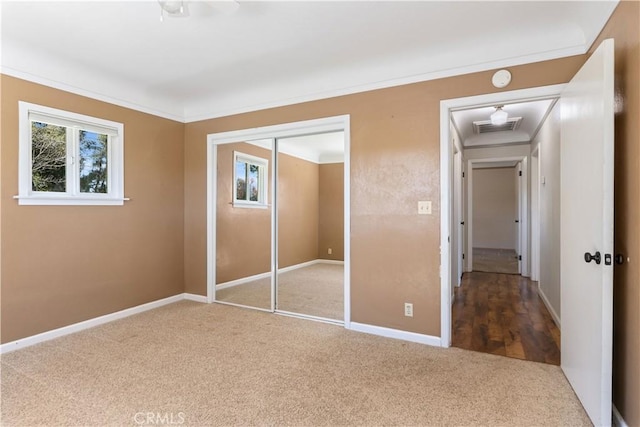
(503, 314)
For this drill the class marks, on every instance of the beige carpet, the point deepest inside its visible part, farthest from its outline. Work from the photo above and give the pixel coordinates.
(495, 260)
(317, 290)
(221, 365)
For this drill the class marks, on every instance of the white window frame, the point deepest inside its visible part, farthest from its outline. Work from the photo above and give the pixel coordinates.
(72, 196)
(263, 165)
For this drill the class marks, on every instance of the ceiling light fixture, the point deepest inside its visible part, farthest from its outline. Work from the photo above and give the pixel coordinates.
(175, 8)
(499, 117)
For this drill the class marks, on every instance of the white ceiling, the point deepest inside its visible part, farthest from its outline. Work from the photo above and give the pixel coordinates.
(532, 113)
(267, 53)
(318, 148)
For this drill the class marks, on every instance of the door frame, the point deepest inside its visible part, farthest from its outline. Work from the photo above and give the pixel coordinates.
(521, 199)
(535, 212)
(446, 184)
(306, 127)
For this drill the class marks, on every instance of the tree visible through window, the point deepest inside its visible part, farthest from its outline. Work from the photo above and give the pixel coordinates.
(49, 157)
(93, 162)
(250, 178)
(68, 158)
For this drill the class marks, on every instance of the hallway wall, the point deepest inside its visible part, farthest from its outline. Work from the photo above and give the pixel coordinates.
(494, 208)
(548, 139)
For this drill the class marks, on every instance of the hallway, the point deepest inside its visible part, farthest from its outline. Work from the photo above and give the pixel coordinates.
(502, 314)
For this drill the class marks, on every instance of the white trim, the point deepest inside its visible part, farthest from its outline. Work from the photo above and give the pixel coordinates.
(28, 112)
(242, 281)
(196, 114)
(446, 107)
(322, 125)
(195, 298)
(263, 174)
(396, 334)
(309, 317)
(618, 421)
(547, 304)
(90, 94)
(248, 279)
(80, 326)
(535, 212)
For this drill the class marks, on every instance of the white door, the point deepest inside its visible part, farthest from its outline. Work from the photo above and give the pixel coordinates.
(518, 219)
(457, 218)
(587, 231)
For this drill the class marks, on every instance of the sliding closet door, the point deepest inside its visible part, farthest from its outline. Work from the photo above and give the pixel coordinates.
(244, 224)
(310, 227)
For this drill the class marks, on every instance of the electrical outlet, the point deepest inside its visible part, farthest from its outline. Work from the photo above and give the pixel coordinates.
(424, 207)
(408, 309)
(329, 251)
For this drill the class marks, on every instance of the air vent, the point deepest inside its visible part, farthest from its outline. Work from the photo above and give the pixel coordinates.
(485, 126)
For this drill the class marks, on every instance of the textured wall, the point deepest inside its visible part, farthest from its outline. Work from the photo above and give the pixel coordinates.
(243, 235)
(624, 27)
(66, 264)
(331, 220)
(494, 208)
(549, 155)
(395, 149)
(298, 206)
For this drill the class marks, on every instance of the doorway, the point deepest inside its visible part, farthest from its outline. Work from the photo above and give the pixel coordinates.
(278, 219)
(497, 309)
(447, 193)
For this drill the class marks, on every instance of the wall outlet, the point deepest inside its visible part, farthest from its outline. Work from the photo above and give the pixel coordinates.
(424, 207)
(408, 309)
(329, 251)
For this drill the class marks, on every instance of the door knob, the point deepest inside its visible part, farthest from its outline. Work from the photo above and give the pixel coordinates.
(595, 257)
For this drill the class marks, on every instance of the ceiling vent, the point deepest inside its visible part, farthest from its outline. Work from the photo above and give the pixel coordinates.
(485, 126)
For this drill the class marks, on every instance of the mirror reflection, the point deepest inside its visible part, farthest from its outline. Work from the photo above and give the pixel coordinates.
(310, 184)
(243, 223)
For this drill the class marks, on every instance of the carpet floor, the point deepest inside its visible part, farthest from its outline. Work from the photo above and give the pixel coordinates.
(211, 364)
(495, 260)
(316, 290)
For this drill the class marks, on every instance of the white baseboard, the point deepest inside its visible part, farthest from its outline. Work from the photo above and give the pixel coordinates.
(242, 281)
(196, 298)
(248, 279)
(329, 261)
(546, 302)
(96, 321)
(618, 421)
(396, 333)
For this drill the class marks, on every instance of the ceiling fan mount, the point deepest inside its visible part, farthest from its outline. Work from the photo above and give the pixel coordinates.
(180, 8)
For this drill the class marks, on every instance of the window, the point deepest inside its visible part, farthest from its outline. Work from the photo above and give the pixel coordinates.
(68, 158)
(250, 181)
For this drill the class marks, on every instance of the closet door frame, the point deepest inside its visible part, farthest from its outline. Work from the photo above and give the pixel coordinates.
(307, 127)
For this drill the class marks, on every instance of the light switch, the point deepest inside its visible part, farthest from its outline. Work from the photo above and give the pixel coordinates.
(424, 207)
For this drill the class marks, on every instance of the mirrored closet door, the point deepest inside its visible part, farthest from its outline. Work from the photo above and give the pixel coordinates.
(244, 224)
(310, 225)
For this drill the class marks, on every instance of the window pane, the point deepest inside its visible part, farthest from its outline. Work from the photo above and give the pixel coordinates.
(93, 162)
(241, 180)
(254, 183)
(48, 157)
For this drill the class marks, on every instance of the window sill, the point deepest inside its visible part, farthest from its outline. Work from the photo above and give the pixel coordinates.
(70, 201)
(250, 205)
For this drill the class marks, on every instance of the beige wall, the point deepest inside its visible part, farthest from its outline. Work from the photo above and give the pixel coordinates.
(331, 213)
(243, 235)
(298, 209)
(66, 264)
(394, 163)
(494, 208)
(52, 276)
(548, 141)
(624, 27)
